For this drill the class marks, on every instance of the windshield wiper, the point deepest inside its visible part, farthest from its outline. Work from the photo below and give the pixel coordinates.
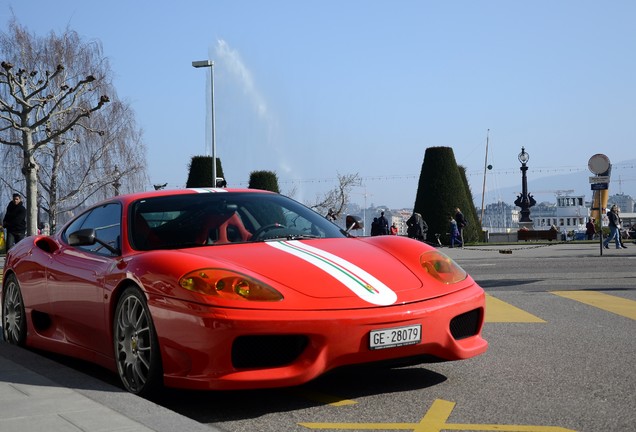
(290, 237)
(302, 236)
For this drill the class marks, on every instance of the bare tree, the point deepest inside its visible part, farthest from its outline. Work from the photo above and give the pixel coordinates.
(334, 202)
(56, 115)
(90, 166)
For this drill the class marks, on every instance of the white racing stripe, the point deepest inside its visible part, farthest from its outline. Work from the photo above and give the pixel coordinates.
(208, 190)
(363, 284)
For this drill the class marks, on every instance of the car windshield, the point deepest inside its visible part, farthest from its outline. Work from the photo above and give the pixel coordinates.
(179, 221)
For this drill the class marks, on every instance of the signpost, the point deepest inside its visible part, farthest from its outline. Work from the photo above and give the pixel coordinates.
(599, 179)
(600, 166)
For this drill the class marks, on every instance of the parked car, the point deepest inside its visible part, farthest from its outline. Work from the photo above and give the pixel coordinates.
(233, 289)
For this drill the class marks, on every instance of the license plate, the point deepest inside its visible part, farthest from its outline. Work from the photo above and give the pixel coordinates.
(395, 337)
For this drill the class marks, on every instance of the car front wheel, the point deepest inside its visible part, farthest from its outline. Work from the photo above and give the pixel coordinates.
(14, 327)
(136, 345)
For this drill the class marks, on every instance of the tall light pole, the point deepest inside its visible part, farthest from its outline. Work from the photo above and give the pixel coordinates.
(210, 64)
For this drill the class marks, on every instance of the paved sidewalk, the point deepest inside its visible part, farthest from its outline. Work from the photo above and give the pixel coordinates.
(38, 394)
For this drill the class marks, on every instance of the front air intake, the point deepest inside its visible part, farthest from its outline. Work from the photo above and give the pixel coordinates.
(267, 351)
(466, 324)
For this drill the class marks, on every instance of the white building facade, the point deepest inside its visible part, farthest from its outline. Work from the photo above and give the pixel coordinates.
(569, 214)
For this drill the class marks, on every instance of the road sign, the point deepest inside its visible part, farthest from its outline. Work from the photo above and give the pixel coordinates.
(598, 164)
(599, 179)
(599, 186)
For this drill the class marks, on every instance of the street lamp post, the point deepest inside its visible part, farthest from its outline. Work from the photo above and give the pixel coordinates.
(116, 182)
(210, 64)
(524, 201)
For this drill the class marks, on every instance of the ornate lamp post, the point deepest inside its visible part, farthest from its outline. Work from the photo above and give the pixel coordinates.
(524, 201)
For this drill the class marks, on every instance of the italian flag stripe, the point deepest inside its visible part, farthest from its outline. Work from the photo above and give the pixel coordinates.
(360, 282)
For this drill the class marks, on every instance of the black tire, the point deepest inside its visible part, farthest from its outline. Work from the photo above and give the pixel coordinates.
(136, 345)
(14, 328)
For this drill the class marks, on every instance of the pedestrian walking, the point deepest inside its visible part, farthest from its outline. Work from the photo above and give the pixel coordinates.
(461, 224)
(620, 228)
(454, 233)
(590, 229)
(614, 226)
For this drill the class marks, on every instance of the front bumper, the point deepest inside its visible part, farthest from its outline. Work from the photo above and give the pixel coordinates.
(207, 348)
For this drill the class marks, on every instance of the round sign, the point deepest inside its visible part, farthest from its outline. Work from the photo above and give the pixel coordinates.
(598, 164)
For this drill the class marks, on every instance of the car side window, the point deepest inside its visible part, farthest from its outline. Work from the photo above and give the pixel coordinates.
(76, 225)
(106, 221)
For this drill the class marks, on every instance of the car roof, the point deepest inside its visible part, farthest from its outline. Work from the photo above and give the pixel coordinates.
(127, 198)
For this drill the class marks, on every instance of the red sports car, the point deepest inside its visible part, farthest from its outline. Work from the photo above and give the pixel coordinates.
(233, 289)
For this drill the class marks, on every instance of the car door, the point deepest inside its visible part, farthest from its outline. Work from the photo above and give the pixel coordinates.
(77, 278)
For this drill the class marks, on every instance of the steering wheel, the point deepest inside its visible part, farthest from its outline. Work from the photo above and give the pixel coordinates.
(259, 232)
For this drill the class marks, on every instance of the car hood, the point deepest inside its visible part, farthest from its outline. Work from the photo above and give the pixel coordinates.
(357, 272)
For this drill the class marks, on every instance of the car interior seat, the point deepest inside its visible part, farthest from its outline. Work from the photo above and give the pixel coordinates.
(144, 238)
(223, 228)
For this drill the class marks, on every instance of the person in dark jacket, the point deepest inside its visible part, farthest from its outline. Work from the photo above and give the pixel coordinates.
(417, 227)
(15, 221)
(454, 232)
(614, 226)
(375, 227)
(384, 224)
(590, 229)
(461, 224)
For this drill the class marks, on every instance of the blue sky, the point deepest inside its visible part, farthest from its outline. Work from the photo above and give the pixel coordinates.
(313, 89)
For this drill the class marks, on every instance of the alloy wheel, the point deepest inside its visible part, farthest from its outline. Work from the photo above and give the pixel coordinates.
(135, 343)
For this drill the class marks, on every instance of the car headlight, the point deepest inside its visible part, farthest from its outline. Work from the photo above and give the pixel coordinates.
(442, 267)
(229, 285)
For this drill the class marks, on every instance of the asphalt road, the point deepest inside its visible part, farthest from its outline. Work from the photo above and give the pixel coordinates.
(561, 321)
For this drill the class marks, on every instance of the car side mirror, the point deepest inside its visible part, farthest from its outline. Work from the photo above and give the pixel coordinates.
(83, 237)
(88, 237)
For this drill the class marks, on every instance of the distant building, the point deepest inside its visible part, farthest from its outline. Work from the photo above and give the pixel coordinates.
(624, 202)
(569, 214)
(500, 217)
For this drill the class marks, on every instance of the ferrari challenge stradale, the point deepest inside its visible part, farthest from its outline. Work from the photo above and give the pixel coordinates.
(233, 289)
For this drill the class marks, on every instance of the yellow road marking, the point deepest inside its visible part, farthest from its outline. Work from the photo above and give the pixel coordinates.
(500, 311)
(435, 421)
(436, 416)
(618, 305)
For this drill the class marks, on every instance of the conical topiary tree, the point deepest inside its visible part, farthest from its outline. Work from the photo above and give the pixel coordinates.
(200, 171)
(441, 189)
(473, 232)
(265, 180)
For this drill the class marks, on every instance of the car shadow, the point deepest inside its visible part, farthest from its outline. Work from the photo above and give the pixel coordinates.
(336, 387)
(339, 386)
